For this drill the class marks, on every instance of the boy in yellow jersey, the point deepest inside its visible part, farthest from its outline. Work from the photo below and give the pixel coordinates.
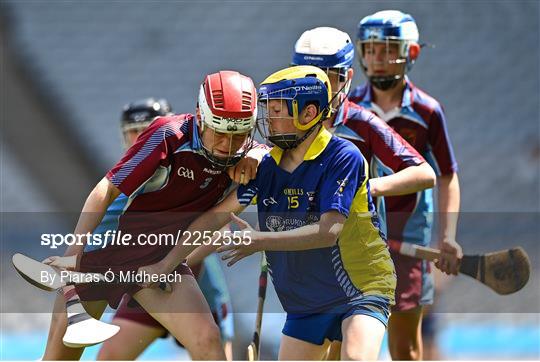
(326, 255)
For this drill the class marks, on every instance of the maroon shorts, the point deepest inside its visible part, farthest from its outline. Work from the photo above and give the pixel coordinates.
(116, 259)
(130, 310)
(414, 282)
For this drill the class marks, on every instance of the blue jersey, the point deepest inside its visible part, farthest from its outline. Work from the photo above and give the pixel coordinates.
(333, 177)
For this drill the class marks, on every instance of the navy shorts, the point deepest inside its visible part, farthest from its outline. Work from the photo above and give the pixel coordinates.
(316, 328)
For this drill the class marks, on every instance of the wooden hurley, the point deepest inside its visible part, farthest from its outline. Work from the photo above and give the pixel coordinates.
(253, 350)
(504, 271)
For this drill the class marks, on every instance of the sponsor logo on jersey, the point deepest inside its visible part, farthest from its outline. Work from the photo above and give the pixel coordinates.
(293, 192)
(278, 223)
(212, 171)
(274, 223)
(186, 172)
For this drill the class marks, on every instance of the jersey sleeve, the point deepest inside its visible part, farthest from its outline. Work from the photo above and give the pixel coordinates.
(390, 148)
(342, 180)
(440, 144)
(143, 158)
(247, 194)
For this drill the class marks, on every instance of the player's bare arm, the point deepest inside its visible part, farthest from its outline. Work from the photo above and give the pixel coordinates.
(449, 200)
(212, 220)
(92, 213)
(407, 181)
(198, 255)
(314, 236)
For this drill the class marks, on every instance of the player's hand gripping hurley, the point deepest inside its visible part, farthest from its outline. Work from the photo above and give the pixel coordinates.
(504, 271)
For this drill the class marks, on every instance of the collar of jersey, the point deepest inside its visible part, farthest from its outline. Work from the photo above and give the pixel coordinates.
(407, 99)
(315, 149)
(196, 143)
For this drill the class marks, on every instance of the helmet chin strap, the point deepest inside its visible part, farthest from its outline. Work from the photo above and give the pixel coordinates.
(385, 82)
(221, 163)
(288, 141)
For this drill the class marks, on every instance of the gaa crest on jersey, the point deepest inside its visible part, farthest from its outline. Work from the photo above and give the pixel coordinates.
(186, 172)
(269, 201)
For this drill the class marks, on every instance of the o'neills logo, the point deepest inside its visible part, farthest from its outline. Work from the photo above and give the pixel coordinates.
(307, 87)
(212, 171)
(311, 57)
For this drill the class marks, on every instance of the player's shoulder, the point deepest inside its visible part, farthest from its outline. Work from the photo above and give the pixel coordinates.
(176, 120)
(361, 120)
(359, 93)
(421, 99)
(170, 127)
(339, 148)
(266, 160)
(357, 113)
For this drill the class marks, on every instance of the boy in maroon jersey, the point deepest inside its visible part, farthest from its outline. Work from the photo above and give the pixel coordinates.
(388, 47)
(175, 170)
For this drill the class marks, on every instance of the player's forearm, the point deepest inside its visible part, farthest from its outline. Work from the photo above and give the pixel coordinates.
(209, 221)
(448, 201)
(407, 181)
(94, 209)
(307, 237)
(198, 255)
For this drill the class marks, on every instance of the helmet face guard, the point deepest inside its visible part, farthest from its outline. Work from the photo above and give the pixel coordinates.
(284, 95)
(390, 28)
(228, 108)
(232, 157)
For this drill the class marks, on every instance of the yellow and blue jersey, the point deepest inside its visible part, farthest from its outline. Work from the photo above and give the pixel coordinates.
(333, 176)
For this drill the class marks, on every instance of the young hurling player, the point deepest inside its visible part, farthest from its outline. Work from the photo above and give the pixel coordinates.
(406, 171)
(174, 170)
(137, 328)
(388, 47)
(328, 260)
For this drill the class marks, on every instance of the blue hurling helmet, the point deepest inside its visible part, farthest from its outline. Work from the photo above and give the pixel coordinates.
(389, 26)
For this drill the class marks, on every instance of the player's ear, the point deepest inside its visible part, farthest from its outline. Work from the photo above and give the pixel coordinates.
(414, 51)
(309, 113)
(350, 73)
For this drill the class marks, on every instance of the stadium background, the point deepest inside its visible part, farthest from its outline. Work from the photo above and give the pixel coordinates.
(69, 66)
